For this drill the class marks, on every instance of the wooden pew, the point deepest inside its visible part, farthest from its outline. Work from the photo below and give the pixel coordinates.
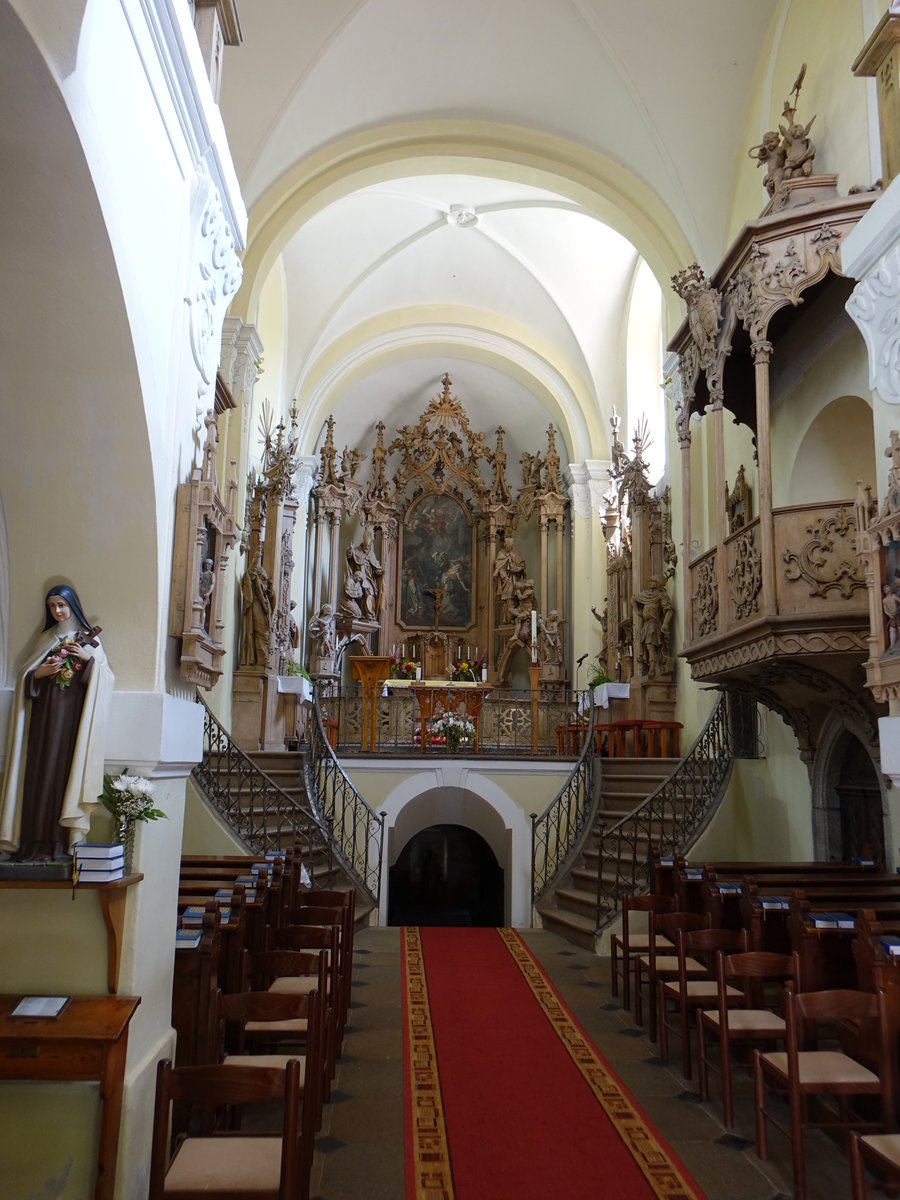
(233, 932)
(194, 995)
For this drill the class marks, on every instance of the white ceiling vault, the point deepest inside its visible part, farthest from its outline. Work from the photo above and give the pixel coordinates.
(513, 163)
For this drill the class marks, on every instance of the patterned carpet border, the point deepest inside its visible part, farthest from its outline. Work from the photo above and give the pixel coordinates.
(433, 1177)
(653, 1158)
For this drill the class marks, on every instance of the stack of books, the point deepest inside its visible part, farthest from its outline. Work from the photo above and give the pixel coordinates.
(187, 939)
(98, 862)
(833, 920)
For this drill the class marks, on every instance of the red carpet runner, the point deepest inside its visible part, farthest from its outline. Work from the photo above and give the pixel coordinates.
(505, 1096)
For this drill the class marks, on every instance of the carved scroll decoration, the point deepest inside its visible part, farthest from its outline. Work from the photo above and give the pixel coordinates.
(706, 596)
(745, 575)
(827, 561)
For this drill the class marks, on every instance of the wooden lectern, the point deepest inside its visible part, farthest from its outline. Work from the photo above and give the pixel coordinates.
(371, 670)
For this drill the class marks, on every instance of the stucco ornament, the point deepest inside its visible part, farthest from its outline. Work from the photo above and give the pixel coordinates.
(875, 307)
(216, 275)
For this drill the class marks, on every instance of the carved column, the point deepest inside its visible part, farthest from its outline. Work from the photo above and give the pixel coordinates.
(718, 407)
(544, 563)
(304, 479)
(762, 353)
(675, 394)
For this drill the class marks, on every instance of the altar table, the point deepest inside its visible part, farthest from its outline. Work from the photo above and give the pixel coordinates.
(86, 1042)
(446, 696)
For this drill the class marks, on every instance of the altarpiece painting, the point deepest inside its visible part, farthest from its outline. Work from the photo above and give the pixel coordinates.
(436, 564)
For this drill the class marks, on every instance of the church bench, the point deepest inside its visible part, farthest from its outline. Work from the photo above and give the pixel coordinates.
(262, 900)
(232, 930)
(194, 987)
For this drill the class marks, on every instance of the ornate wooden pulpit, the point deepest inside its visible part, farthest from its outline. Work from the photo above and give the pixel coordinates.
(371, 670)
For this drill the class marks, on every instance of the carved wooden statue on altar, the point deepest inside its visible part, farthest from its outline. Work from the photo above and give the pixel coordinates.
(428, 560)
(640, 561)
(258, 720)
(879, 554)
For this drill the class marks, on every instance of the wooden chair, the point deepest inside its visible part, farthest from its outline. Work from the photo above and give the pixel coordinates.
(297, 973)
(220, 1162)
(314, 937)
(742, 1024)
(266, 1020)
(806, 1074)
(656, 966)
(337, 916)
(882, 1152)
(630, 942)
(687, 991)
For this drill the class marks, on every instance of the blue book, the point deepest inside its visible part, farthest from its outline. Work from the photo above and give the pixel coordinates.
(187, 939)
(842, 920)
(891, 943)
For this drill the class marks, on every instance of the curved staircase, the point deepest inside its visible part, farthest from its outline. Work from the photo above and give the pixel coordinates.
(571, 909)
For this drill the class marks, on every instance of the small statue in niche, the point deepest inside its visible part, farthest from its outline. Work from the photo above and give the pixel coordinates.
(206, 583)
(737, 502)
(293, 628)
(655, 610)
(890, 604)
(55, 749)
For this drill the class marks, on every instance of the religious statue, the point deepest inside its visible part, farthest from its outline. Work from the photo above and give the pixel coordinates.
(55, 748)
(321, 632)
(655, 610)
(737, 502)
(206, 583)
(258, 602)
(770, 153)
(551, 638)
(521, 613)
(363, 594)
(799, 149)
(509, 570)
(890, 604)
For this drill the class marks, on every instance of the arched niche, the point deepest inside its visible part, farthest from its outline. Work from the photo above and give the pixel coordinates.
(835, 452)
(78, 488)
(849, 809)
(446, 875)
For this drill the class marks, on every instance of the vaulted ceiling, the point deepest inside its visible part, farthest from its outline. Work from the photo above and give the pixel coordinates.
(512, 165)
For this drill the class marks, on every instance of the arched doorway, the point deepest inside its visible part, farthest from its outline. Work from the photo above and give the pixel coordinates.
(446, 875)
(847, 801)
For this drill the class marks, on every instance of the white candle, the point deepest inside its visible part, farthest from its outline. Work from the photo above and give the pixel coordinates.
(394, 650)
(468, 652)
(484, 673)
(534, 635)
(404, 650)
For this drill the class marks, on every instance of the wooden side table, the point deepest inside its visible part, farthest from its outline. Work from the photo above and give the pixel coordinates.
(86, 1042)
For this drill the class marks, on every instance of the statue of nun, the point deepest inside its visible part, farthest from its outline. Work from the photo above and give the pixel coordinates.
(55, 748)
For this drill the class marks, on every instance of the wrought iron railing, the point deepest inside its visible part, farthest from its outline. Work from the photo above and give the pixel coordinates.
(556, 834)
(669, 817)
(255, 807)
(357, 831)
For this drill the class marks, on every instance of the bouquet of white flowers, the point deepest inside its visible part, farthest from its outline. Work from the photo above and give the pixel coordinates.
(449, 730)
(129, 798)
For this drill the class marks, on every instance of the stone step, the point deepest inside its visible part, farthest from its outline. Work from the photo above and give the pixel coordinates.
(573, 927)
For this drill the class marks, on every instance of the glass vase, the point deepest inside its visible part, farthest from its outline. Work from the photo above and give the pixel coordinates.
(125, 835)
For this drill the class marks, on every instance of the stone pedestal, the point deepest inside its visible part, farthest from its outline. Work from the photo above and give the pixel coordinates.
(257, 715)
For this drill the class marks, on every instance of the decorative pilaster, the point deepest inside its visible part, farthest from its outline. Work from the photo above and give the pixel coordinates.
(762, 354)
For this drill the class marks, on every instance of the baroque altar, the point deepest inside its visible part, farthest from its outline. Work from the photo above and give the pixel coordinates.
(424, 553)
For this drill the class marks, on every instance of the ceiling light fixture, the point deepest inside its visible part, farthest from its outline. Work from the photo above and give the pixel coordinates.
(461, 215)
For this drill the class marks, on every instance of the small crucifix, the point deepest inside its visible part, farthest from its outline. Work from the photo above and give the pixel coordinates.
(439, 593)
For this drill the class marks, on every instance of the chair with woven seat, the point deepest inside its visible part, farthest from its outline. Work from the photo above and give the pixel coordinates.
(747, 1023)
(338, 917)
(806, 1073)
(688, 991)
(223, 1162)
(296, 973)
(267, 1021)
(623, 946)
(882, 1152)
(314, 937)
(656, 966)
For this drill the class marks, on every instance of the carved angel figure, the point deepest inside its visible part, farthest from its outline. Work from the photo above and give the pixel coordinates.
(770, 153)
(799, 149)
